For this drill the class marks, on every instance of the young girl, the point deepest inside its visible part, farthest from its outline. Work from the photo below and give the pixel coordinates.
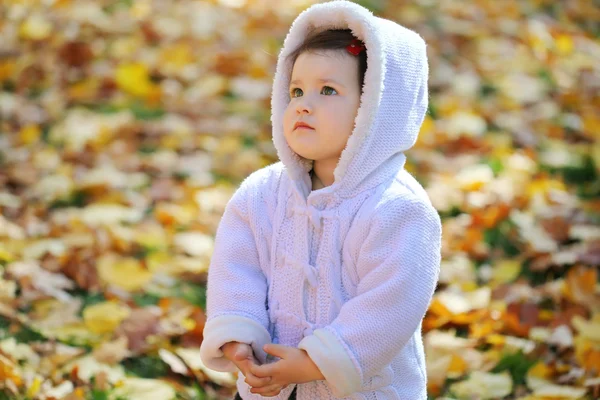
(325, 262)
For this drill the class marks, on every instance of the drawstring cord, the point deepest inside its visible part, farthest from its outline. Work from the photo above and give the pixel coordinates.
(310, 271)
(315, 215)
(280, 314)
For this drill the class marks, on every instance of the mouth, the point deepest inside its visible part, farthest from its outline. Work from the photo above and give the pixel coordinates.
(302, 125)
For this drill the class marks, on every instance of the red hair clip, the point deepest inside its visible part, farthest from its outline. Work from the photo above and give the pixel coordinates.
(355, 47)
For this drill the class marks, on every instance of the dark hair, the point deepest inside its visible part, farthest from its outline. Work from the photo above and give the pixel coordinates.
(333, 39)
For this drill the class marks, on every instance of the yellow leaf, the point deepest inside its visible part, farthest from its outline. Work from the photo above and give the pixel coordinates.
(175, 57)
(158, 261)
(140, 9)
(169, 213)
(457, 367)
(564, 44)
(35, 387)
(142, 389)
(587, 329)
(496, 339)
(77, 332)
(151, 235)
(427, 132)
(505, 271)
(469, 286)
(104, 317)
(134, 79)
(540, 370)
(484, 385)
(542, 186)
(35, 27)
(30, 134)
(6, 255)
(126, 273)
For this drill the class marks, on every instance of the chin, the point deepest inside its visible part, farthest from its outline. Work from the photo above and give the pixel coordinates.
(306, 155)
(299, 150)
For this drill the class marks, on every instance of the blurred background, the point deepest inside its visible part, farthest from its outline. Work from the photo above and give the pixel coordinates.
(125, 127)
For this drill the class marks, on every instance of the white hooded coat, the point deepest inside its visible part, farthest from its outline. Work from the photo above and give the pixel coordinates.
(345, 272)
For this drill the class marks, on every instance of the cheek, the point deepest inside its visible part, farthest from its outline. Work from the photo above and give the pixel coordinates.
(342, 118)
(288, 118)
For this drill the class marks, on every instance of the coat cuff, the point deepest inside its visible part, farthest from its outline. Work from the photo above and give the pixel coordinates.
(231, 328)
(334, 362)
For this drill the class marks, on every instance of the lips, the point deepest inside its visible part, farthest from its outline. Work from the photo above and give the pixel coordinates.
(301, 124)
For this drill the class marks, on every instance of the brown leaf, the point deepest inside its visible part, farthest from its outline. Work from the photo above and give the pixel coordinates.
(193, 338)
(231, 63)
(140, 323)
(521, 317)
(80, 266)
(75, 54)
(565, 316)
(557, 228)
(112, 352)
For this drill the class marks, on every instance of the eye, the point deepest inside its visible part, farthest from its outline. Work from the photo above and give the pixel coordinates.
(293, 91)
(328, 87)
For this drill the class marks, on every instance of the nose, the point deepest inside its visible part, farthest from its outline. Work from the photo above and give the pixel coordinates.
(302, 106)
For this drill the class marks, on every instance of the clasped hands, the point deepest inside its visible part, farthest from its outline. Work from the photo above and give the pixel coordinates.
(294, 366)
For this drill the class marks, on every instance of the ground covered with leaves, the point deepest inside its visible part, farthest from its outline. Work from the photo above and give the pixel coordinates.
(127, 125)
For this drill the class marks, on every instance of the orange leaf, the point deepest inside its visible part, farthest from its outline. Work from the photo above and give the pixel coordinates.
(457, 367)
(580, 284)
(436, 307)
(592, 361)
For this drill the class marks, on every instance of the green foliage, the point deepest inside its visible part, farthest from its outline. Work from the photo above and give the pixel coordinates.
(23, 335)
(88, 298)
(517, 364)
(193, 293)
(499, 237)
(145, 113)
(145, 299)
(147, 366)
(77, 198)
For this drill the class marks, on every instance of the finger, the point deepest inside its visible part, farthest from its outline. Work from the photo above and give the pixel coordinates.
(266, 388)
(276, 350)
(242, 353)
(272, 394)
(255, 381)
(262, 371)
(270, 390)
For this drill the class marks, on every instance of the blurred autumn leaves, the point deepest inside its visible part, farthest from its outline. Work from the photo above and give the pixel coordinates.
(126, 126)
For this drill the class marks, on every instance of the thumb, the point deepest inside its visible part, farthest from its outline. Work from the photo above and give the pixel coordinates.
(242, 352)
(276, 350)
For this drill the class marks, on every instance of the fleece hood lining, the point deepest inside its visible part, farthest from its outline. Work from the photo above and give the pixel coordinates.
(345, 18)
(384, 41)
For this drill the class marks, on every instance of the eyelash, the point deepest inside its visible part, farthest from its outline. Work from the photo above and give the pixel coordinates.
(293, 90)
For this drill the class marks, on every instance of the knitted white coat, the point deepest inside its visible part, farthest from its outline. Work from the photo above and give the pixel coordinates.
(345, 272)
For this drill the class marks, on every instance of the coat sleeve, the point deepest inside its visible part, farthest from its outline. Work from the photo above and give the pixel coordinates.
(236, 288)
(398, 269)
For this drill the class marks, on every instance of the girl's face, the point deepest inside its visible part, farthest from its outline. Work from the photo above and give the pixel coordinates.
(325, 94)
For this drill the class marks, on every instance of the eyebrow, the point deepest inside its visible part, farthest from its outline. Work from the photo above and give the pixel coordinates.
(296, 81)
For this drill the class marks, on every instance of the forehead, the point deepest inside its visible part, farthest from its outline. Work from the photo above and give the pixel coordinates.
(332, 63)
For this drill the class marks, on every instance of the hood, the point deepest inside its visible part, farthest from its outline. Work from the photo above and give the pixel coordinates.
(393, 103)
